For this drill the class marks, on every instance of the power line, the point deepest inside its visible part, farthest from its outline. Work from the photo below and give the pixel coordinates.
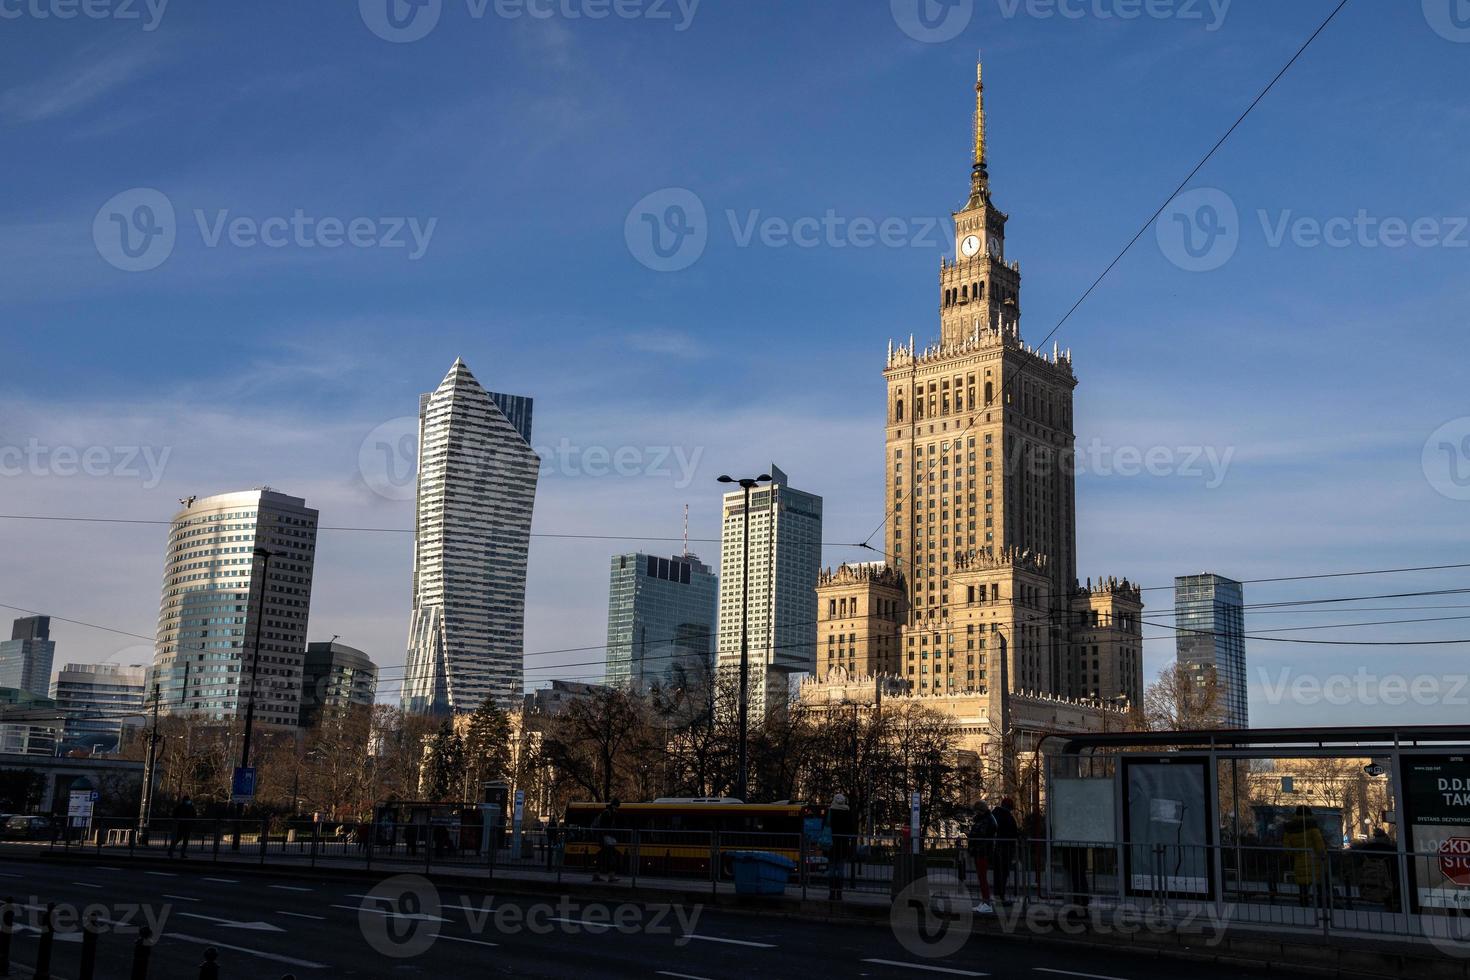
(556, 535)
(961, 605)
(1044, 617)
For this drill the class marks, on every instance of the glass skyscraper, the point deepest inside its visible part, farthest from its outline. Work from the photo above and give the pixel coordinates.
(25, 658)
(335, 678)
(660, 620)
(98, 699)
(215, 588)
(1209, 614)
(476, 489)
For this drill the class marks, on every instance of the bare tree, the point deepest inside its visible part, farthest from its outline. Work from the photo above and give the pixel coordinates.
(1181, 701)
(597, 739)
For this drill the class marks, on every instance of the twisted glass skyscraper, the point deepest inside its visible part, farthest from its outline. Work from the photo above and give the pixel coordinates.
(476, 489)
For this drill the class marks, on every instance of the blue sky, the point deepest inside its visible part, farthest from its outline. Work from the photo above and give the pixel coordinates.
(1313, 375)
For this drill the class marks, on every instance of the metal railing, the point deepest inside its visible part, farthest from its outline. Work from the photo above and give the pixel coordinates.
(1337, 892)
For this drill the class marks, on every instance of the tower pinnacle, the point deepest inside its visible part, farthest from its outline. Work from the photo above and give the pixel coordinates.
(979, 115)
(979, 174)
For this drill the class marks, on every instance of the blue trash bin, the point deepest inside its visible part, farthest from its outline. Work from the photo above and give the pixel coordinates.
(761, 873)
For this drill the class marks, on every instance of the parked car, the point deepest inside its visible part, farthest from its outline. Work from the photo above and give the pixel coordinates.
(29, 828)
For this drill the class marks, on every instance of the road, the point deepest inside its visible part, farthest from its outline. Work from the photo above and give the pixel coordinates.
(266, 925)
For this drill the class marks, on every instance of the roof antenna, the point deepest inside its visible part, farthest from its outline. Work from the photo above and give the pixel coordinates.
(686, 530)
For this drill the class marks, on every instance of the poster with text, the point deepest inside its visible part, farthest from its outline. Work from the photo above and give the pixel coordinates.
(1437, 810)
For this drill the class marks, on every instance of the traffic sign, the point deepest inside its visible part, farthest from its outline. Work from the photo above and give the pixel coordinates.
(1454, 860)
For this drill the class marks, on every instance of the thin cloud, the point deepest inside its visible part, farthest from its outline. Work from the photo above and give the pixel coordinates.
(87, 78)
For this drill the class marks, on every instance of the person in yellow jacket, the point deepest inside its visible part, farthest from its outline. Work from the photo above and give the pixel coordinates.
(1303, 838)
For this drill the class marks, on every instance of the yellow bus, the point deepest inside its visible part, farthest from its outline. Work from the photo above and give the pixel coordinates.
(679, 837)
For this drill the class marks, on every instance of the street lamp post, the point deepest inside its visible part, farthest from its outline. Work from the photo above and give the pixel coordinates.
(265, 556)
(742, 781)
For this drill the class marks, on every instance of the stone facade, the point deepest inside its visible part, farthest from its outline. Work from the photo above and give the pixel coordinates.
(981, 505)
(860, 608)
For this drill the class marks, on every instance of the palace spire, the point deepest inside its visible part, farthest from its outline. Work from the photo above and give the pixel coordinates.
(979, 175)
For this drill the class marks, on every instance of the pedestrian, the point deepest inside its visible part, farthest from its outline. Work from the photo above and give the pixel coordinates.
(553, 840)
(1303, 838)
(183, 813)
(1007, 834)
(980, 842)
(604, 825)
(1035, 833)
(844, 839)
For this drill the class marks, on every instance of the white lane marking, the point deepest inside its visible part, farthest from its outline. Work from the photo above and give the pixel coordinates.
(681, 976)
(303, 915)
(86, 884)
(290, 888)
(289, 961)
(61, 937)
(415, 916)
(223, 881)
(733, 942)
(583, 922)
(472, 942)
(234, 924)
(180, 898)
(930, 969)
(103, 867)
(1071, 973)
(9, 876)
(161, 874)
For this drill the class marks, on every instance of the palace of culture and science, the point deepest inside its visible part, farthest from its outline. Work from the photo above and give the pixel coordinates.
(981, 539)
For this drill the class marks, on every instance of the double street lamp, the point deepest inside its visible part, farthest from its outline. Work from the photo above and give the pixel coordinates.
(742, 781)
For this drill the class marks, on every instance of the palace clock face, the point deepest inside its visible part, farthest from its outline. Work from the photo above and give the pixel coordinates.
(970, 245)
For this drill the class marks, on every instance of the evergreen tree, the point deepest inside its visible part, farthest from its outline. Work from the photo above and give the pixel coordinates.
(487, 747)
(446, 764)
